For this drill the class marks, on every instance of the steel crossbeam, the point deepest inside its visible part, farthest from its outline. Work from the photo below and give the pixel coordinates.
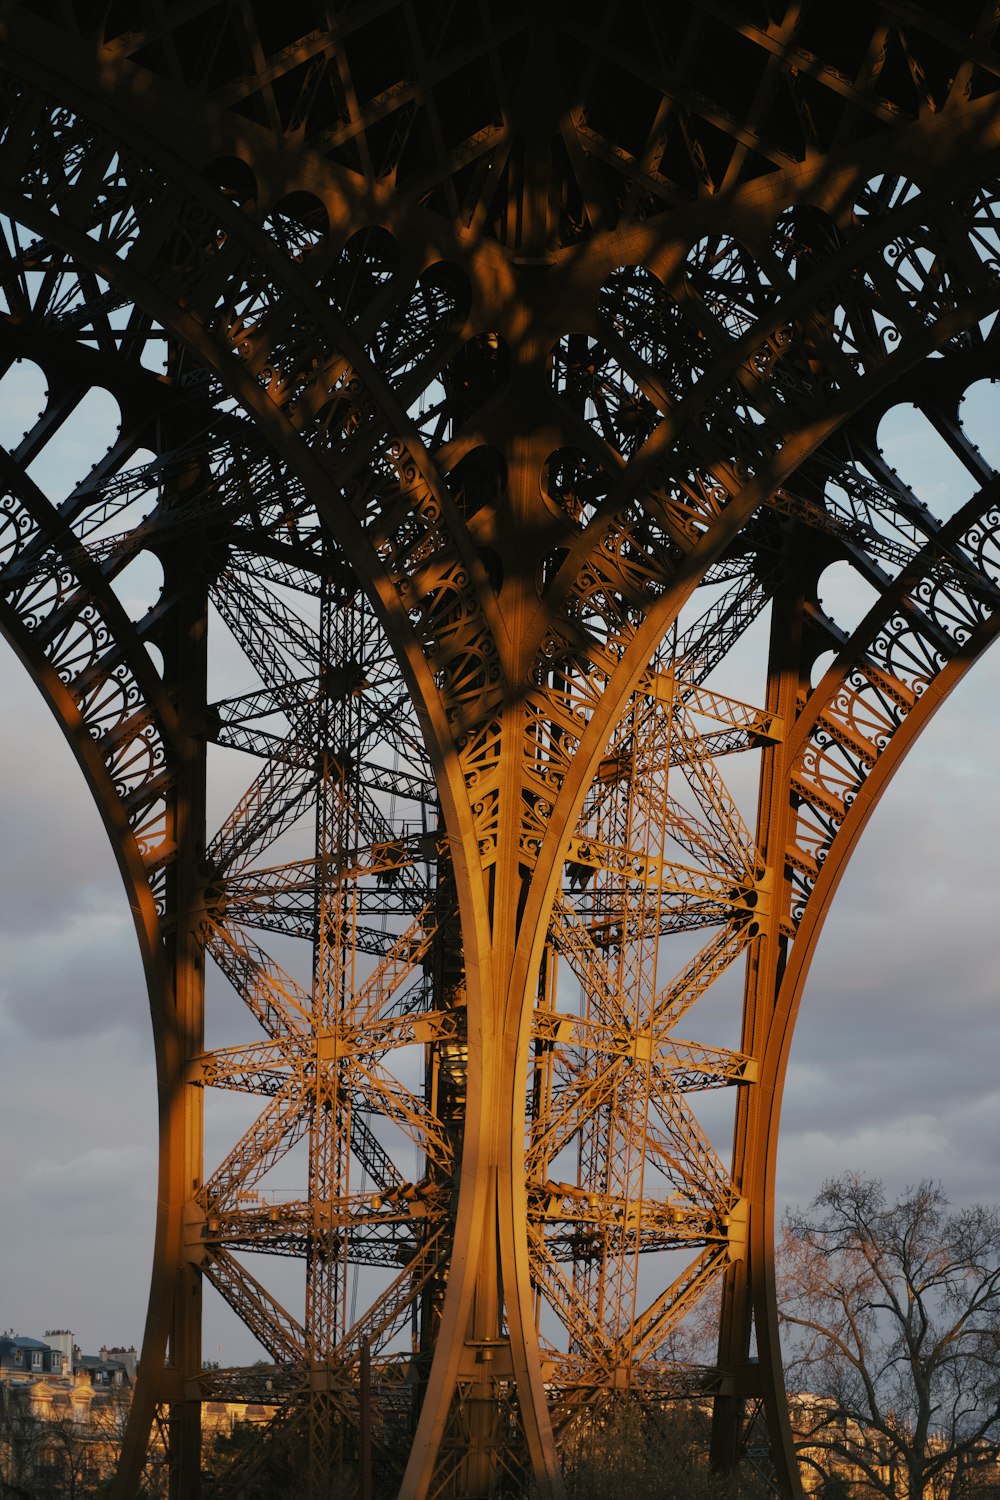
(490, 387)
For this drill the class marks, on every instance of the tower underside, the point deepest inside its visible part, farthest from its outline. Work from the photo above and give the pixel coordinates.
(440, 632)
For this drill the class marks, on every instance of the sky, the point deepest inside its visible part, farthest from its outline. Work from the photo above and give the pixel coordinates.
(893, 1069)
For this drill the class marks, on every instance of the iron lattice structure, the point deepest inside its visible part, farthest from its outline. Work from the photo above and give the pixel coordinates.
(482, 383)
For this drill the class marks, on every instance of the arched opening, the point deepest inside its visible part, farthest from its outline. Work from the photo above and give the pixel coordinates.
(78, 1109)
(893, 1066)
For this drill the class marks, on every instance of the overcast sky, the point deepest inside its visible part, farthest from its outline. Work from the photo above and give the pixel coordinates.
(894, 1068)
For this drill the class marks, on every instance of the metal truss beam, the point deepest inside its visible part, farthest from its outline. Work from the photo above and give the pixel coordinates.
(488, 385)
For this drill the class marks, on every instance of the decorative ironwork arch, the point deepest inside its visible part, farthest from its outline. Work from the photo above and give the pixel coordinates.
(462, 395)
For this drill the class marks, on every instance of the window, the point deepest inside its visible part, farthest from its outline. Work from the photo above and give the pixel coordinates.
(19, 1356)
(36, 1359)
(56, 1364)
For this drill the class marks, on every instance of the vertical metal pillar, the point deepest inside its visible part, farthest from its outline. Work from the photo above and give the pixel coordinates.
(784, 693)
(365, 1424)
(327, 1150)
(186, 569)
(696, 380)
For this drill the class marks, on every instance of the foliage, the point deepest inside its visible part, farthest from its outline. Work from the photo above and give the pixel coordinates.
(265, 1467)
(41, 1459)
(637, 1453)
(892, 1320)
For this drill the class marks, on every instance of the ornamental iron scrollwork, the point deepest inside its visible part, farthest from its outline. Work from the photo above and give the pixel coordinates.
(486, 388)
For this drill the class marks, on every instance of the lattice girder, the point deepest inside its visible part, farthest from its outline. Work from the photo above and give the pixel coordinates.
(504, 449)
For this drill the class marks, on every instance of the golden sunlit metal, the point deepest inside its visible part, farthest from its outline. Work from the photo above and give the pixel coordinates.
(441, 637)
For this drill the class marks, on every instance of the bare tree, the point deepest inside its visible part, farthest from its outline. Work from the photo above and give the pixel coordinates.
(659, 1452)
(20, 1446)
(891, 1316)
(41, 1458)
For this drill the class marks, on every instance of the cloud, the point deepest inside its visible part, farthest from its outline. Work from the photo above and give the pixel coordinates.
(83, 978)
(893, 1065)
(78, 1116)
(55, 858)
(99, 1171)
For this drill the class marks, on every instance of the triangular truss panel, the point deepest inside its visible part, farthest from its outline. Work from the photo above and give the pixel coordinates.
(438, 624)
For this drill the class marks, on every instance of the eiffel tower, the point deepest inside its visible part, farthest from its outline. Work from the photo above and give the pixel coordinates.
(494, 384)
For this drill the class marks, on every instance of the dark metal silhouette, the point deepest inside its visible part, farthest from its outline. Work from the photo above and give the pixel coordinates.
(485, 380)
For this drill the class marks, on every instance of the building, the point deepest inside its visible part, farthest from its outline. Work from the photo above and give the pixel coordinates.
(24, 1359)
(54, 1379)
(104, 1372)
(55, 1365)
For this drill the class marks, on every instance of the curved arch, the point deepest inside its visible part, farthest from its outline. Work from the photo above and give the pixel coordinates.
(524, 703)
(168, 1050)
(872, 744)
(793, 983)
